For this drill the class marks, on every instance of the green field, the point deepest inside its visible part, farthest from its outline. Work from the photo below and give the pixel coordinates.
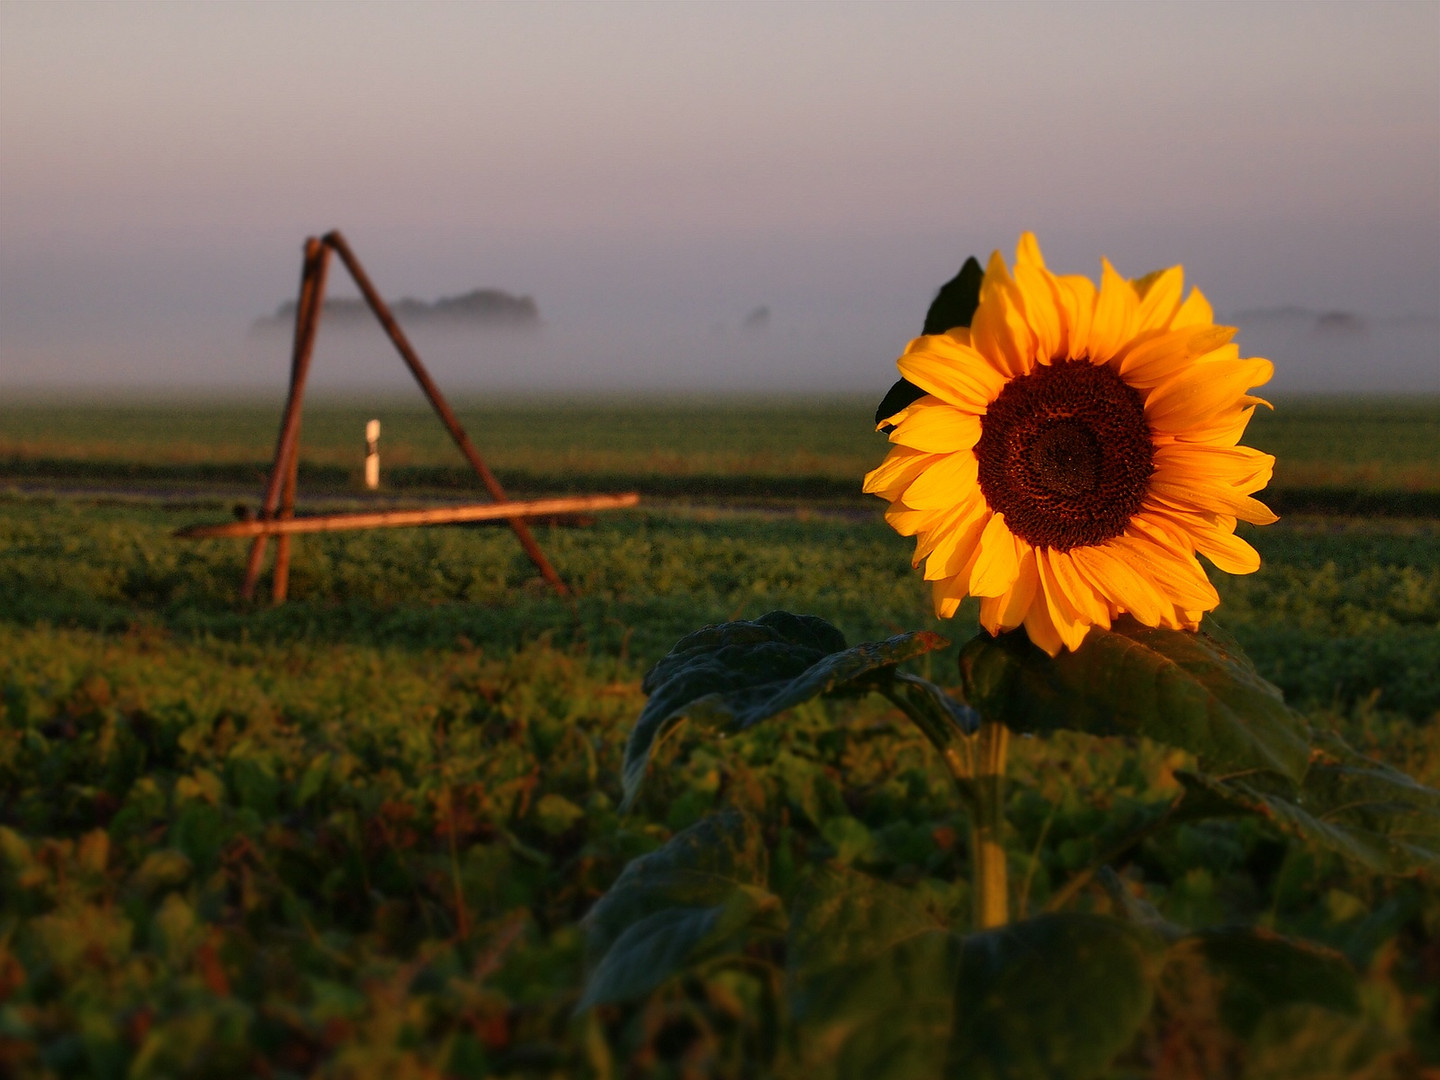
(355, 835)
(1376, 445)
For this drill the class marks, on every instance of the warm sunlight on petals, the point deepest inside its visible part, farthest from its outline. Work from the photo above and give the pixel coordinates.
(1077, 453)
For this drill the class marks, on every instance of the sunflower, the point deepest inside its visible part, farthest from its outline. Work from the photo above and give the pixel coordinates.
(1074, 450)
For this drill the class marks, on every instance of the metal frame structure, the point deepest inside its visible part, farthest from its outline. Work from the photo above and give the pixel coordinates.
(277, 514)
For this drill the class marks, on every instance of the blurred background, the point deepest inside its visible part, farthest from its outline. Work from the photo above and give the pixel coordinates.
(700, 197)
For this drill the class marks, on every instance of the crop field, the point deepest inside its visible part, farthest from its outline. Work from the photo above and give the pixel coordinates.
(358, 834)
(1388, 446)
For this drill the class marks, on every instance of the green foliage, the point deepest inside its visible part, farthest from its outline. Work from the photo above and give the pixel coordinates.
(1336, 448)
(1360, 808)
(880, 984)
(877, 983)
(357, 835)
(1201, 694)
(1187, 690)
(954, 306)
(693, 899)
(733, 676)
(1058, 996)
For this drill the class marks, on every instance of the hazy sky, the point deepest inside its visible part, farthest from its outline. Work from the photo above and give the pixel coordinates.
(652, 172)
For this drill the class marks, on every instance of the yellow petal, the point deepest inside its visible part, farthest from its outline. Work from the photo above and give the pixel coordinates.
(1115, 310)
(1179, 579)
(1195, 311)
(951, 478)
(959, 562)
(954, 372)
(1212, 480)
(1215, 538)
(1214, 500)
(1152, 361)
(1077, 301)
(946, 597)
(1161, 531)
(998, 564)
(999, 330)
(1040, 311)
(1037, 288)
(1027, 252)
(1089, 606)
(1239, 467)
(897, 472)
(1198, 393)
(1107, 568)
(1007, 611)
(1159, 298)
(937, 427)
(1041, 629)
(940, 529)
(1068, 622)
(956, 548)
(907, 521)
(892, 420)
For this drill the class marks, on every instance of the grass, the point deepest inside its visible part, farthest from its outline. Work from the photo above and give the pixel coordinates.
(1390, 444)
(355, 835)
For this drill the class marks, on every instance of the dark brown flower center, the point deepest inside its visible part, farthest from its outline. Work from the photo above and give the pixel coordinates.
(1065, 454)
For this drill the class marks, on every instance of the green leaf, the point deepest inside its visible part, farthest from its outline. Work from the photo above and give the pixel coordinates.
(954, 305)
(871, 977)
(1183, 689)
(938, 714)
(734, 675)
(1362, 809)
(163, 869)
(1262, 970)
(1055, 997)
(883, 988)
(555, 814)
(700, 896)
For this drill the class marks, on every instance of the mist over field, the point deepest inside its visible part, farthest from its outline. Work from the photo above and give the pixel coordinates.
(739, 349)
(653, 176)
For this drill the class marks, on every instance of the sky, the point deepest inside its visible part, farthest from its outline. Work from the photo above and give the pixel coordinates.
(652, 173)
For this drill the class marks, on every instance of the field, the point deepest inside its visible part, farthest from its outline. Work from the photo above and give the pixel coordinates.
(355, 835)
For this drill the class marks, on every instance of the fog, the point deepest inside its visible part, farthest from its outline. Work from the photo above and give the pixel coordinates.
(652, 174)
(833, 326)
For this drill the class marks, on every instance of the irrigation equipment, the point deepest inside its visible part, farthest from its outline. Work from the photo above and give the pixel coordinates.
(277, 514)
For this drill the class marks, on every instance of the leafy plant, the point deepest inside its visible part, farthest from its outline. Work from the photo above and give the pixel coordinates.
(880, 982)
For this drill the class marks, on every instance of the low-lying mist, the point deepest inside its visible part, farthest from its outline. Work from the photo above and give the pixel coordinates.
(1313, 353)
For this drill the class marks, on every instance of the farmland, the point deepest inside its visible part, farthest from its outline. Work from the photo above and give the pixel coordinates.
(355, 835)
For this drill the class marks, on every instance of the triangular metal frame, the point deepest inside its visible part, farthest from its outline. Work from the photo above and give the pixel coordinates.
(279, 503)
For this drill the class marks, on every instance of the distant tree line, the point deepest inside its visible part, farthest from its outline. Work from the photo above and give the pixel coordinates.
(479, 307)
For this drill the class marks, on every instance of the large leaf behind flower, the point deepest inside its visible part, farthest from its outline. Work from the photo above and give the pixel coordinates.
(954, 305)
(1190, 690)
(736, 674)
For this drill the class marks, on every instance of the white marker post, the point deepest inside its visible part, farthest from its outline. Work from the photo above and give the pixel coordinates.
(372, 454)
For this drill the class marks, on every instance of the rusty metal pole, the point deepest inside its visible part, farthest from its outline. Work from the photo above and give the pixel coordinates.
(307, 321)
(390, 519)
(280, 575)
(437, 401)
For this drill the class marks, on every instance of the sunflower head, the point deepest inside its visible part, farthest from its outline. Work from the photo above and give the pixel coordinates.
(1067, 455)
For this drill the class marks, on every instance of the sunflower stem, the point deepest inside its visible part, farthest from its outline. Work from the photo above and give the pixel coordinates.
(977, 765)
(991, 888)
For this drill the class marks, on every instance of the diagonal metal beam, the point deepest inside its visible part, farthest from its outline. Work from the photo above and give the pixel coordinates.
(307, 321)
(442, 408)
